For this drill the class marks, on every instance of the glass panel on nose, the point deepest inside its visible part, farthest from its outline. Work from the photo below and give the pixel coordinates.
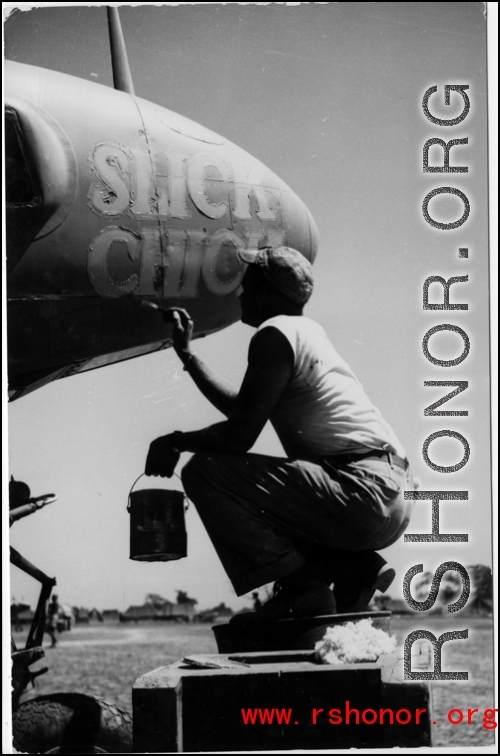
(21, 186)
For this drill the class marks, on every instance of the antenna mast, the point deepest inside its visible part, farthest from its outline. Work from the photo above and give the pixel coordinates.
(122, 78)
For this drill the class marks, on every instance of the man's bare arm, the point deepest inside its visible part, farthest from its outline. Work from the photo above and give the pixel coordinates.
(216, 389)
(270, 368)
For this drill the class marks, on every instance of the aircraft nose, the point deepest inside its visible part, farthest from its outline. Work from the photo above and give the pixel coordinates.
(301, 229)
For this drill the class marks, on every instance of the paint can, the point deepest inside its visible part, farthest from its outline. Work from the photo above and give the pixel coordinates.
(157, 525)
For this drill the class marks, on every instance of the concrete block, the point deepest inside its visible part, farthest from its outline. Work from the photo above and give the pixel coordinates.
(310, 705)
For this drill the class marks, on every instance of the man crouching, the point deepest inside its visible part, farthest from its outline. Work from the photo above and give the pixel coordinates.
(319, 515)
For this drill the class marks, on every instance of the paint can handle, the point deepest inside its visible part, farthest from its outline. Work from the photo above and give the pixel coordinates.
(131, 489)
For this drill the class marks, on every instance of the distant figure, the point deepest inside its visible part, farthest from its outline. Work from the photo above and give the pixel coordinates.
(257, 603)
(15, 610)
(53, 611)
(19, 493)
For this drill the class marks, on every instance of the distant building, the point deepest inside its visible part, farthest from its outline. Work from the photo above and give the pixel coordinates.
(481, 605)
(164, 611)
(477, 606)
(95, 615)
(136, 613)
(398, 606)
(25, 617)
(223, 611)
(110, 615)
(186, 610)
(207, 615)
(16, 610)
(217, 613)
(81, 614)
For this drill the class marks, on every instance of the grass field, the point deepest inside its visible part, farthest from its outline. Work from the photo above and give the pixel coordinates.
(104, 660)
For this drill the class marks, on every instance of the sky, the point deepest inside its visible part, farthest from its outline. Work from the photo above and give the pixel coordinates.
(329, 97)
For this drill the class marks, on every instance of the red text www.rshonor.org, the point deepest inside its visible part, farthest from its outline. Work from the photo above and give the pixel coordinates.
(355, 716)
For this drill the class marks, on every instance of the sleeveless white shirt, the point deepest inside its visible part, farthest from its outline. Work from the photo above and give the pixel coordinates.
(324, 410)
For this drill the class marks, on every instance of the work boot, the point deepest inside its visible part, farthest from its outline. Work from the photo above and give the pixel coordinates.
(301, 594)
(380, 582)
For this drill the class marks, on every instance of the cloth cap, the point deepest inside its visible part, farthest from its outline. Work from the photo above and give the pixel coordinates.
(286, 268)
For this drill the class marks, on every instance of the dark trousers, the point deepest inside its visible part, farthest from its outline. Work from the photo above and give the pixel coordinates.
(267, 516)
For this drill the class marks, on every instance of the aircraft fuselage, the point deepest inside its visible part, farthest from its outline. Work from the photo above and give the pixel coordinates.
(112, 200)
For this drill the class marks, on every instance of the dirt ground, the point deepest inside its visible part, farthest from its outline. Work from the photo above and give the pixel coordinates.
(105, 659)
